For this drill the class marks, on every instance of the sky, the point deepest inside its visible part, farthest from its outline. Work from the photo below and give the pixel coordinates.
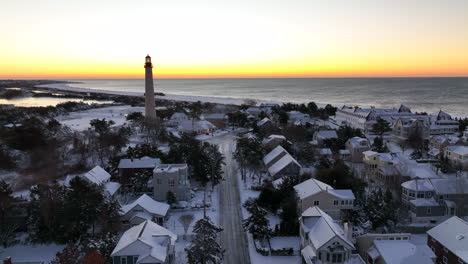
(233, 38)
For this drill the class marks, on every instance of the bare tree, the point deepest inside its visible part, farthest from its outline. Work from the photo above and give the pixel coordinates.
(186, 220)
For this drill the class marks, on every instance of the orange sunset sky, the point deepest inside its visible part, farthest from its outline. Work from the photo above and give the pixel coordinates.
(242, 38)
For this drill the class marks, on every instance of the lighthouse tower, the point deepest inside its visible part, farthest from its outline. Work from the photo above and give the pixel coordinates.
(150, 111)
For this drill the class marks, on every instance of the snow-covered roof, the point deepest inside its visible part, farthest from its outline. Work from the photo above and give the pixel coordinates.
(424, 202)
(460, 150)
(343, 194)
(322, 228)
(142, 163)
(97, 175)
(148, 241)
(344, 152)
(326, 134)
(112, 187)
(369, 153)
(358, 142)
(416, 171)
(440, 186)
(402, 252)
(452, 234)
(273, 154)
(179, 116)
(311, 187)
(281, 164)
(214, 116)
(325, 151)
(263, 121)
(147, 203)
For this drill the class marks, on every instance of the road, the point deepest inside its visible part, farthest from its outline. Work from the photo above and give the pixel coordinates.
(233, 237)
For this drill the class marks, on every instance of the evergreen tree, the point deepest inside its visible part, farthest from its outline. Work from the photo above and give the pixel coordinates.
(381, 127)
(378, 145)
(7, 210)
(171, 198)
(257, 223)
(71, 254)
(204, 248)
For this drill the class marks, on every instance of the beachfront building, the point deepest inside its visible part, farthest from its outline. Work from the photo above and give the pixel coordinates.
(147, 242)
(405, 127)
(171, 178)
(144, 208)
(443, 124)
(325, 241)
(432, 200)
(150, 105)
(316, 193)
(449, 241)
(458, 156)
(356, 146)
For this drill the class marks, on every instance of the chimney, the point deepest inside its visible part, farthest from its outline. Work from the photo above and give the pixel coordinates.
(347, 230)
(7, 260)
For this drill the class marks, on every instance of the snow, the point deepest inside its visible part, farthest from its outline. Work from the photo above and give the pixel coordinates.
(273, 154)
(31, 253)
(142, 163)
(263, 121)
(403, 252)
(452, 234)
(285, 242)
(326, 134)
(112, 187)
(424, 202)
(79, 120)
(460, 150)
(147, 203)
(311, 187)
(343, 194)
(216, 133)
(97, 175)
(281, 164)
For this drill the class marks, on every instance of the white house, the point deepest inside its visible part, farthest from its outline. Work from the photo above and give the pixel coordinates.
(99, 176)
(457, 155)
(147, 242)
(324, 241)
(144, 208)
(399, 252)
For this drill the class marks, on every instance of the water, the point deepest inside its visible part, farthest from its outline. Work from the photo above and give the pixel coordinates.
(421, 94)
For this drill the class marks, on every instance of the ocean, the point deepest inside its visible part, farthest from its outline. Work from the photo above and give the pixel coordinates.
(420, 94)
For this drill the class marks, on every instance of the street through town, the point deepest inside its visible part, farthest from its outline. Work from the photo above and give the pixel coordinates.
(233, 237)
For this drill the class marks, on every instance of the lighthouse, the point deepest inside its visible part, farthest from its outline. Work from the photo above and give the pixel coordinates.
(150, 107)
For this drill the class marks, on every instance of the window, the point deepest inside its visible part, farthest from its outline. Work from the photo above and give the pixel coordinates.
(320, 255)
(420, 195)
(335, 202)
(411, 193)
(328, 256)
(123, 260)
(445, 250)
(159, 181)
(316, 203)
(171, 182)
(428, 211)
(342, 202)
(444, 259)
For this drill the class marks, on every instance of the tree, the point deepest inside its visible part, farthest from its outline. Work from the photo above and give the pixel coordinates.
(135, 117)
(378, 145)
(204, 248)
(171, 198)
(71, 254)
(186, 220)
(7, 210)
(381, 127)
(215, 162)
(249, 155)
(257, 223)
(94, 257)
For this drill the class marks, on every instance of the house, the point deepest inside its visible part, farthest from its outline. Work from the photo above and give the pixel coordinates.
(324, 152)
(344, 154)
(465, 135)
(316, 193)
(438, 143)
(356, 147)
(265, 124)
(144, 208)
(255, 111)
(366, 241)
(147, 242)
(407, 126)
(320, 136)
(285, 166)
(99, 176)
(274, 155)
(458, 156)
(399, 252)
(432, 200)
(324, 241)
(198, 126)
(171, 178)
(443, 124)
(449, 241)
(177, 118)
(373, 161)
(272, 141)
(128, 167)
(217, 119)
(298, 118)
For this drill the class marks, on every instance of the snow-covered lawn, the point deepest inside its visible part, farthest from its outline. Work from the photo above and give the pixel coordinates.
(31, 253)
(255, 257)
(79, 121)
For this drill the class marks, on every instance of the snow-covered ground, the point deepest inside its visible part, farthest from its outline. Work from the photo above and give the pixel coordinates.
(31, 253)
(79, 121)
(292, 242)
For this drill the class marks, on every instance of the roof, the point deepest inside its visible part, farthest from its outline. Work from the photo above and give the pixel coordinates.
(452, 234)
(179, 116)
(310, 187)
(148, 204)
(440, 186)
(356, 142)
(401, 252)
(325, 151)
(460, 150)
(369, 153)
(142, 163)
(343, 194)
(424, 202)
(322, 228)
(170, 167)
(112, 187)
(281, 164)
(152, 242)
(344, 151)
(273, 154)
(97, 175)
(326, 134)
(263, 121)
